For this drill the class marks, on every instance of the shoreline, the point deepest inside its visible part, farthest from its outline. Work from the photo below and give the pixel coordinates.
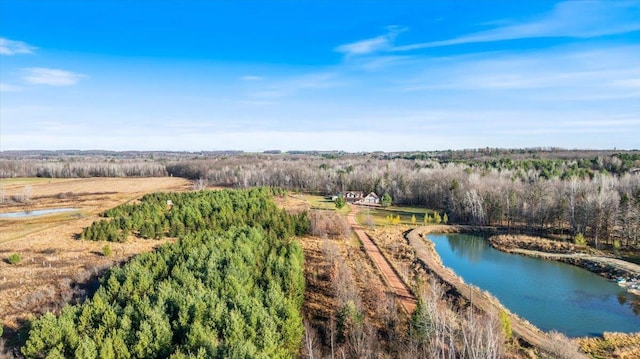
(599, 346)
(432, 263)
(627, 274)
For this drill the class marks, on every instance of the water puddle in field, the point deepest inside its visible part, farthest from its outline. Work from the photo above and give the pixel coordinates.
(35, 213)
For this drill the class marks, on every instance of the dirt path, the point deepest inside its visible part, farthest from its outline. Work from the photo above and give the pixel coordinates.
(393, 280)
(429, 257)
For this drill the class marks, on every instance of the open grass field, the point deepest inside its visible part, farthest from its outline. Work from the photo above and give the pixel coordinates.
(320, 202)
(89, 196)
(378, 215)
(52, 260)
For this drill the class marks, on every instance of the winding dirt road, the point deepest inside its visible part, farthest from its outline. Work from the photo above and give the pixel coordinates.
(480, 300)
(389, 275)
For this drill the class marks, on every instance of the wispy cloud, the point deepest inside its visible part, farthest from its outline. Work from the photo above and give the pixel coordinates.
(633, 83)
(383, 62)
(256, 102)
(5, 87)
(251, 78)
(554, 74)
(288, 87)
(574, 19)
(12, 47)
(578, 19)
(51, 77)
(376, 44)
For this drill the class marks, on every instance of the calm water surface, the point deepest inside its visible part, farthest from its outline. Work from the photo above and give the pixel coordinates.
(40, 212)
(549, 294)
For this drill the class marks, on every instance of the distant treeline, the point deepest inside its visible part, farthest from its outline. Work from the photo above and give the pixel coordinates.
(70, 164)
(599, 198)
(231, 287)
(83, 167)
(544, 190)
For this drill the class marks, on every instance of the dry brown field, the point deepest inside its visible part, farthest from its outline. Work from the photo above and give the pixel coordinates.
(53, 262)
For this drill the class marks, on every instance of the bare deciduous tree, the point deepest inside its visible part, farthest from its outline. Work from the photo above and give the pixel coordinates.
(562, 348)
(311, 345)
(482, 336)
(199, 184)
(324, 223)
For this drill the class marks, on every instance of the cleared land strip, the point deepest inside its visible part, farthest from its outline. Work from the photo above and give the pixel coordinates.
(393, 280)
(480, 300)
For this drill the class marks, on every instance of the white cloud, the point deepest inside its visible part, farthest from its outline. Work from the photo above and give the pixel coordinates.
(52, 77)
(379, 43)
(578, 19)
(5, 87)
(365, 46)
(12, 47)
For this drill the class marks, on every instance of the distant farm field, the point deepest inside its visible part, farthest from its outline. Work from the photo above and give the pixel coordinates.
(51, 258)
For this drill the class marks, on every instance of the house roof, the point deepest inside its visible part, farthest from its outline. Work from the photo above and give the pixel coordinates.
(357, 193)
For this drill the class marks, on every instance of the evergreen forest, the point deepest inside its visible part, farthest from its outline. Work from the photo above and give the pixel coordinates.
(232, 285)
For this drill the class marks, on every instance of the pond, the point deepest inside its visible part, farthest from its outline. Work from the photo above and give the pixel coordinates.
(39, 212)
(549, 294)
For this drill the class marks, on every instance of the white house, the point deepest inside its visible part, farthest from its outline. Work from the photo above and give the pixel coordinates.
(370, 199)
(353, 196)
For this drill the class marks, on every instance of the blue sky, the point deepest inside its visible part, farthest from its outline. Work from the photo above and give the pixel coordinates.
(355, 76)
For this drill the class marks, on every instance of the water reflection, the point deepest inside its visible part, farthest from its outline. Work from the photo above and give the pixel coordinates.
(469, 247)
(632, 302)
(622, 299)
(33, 213)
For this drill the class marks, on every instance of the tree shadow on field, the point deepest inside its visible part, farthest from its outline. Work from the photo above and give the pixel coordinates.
(13, 339)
